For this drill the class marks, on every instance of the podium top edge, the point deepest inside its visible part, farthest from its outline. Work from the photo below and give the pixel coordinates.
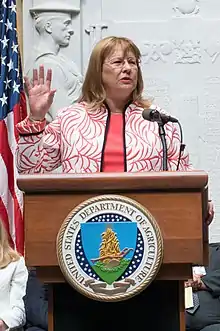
(96, 182)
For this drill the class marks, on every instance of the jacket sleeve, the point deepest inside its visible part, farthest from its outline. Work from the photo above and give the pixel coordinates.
(212, 282)
(15, 317)
(176, 151)
(38, 149)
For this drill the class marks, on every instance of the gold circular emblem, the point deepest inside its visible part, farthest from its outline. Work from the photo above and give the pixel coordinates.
(109, 248)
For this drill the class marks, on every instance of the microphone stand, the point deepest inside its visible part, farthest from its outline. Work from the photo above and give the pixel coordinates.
(162, 135)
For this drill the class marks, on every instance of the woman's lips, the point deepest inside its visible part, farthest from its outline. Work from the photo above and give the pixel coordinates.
(126, 79)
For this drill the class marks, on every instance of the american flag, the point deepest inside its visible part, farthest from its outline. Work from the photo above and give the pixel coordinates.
(12, 111)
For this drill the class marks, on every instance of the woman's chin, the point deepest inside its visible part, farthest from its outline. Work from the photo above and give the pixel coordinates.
(127, 87)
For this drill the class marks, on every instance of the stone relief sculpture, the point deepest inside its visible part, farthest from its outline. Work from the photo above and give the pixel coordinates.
(180, 51)
(54, 26)
(155, 50)
(95, 32)
(186, 7)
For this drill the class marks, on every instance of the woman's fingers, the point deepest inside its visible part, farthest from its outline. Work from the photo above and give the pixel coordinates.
(41, 75)
(35, 77)
(49, 78)
(38, 78)
(210, 213)
(52, 92)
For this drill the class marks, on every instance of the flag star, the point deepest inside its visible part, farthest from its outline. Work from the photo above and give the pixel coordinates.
(4, 3)
(13, 7)
(16, 87)
(4, 42)
(7, 81)
(3, 60)
(14, 47)
(4, 100)
(10, 65)
(8, 25)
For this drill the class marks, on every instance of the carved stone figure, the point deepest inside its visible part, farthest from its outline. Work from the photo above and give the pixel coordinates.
(54, 26)
(186, 7)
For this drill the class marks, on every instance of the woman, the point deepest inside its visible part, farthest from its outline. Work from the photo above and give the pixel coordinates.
(13, 280)
(104, 131)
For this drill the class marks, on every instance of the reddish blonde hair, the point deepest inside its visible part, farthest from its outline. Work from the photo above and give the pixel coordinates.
(93, 91)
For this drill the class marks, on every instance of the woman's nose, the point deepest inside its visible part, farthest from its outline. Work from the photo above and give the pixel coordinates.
(126, 66)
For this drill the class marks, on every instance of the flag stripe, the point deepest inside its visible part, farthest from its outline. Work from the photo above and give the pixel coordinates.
(12, 111)
(7, 205)
(7, 157)
(16, 194)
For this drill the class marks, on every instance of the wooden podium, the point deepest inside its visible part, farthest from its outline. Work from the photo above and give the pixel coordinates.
(177, 200)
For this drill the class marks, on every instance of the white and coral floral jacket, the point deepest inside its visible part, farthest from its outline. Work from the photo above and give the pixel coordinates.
(76, 140)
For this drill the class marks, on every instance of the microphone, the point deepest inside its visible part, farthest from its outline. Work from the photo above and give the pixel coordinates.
(154, 115)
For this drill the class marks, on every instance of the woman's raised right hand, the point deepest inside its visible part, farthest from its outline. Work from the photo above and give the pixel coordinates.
(40, 95)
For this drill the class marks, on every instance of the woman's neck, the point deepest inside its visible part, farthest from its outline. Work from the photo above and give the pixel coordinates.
(116, 106)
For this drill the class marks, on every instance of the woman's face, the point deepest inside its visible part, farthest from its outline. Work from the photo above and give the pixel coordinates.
(120, 74)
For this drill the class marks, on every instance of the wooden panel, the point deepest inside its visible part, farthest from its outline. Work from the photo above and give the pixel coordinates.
(179, 216)
(113, 181)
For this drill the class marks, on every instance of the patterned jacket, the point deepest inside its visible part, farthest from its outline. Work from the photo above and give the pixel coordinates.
(76, 140)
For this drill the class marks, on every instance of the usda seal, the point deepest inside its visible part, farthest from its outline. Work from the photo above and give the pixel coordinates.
(109, 248)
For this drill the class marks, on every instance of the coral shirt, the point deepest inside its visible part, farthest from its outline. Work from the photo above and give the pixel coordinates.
(113, 160)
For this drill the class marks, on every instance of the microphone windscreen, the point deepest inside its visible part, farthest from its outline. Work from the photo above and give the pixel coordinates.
(146, 114)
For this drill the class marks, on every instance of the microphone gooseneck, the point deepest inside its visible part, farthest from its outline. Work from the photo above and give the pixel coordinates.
(154, 115)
